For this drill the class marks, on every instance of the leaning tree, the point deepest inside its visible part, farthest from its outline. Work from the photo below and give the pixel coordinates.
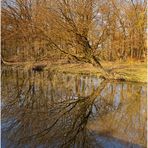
(73, 27)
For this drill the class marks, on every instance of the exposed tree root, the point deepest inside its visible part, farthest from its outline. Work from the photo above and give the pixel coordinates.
(111, 76)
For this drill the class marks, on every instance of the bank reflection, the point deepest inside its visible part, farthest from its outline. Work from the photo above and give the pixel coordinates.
(57, 110)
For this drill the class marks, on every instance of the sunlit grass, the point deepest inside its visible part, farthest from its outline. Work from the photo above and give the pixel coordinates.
(131, 71)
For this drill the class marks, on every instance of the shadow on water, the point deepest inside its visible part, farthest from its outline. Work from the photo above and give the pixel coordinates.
(56, 110)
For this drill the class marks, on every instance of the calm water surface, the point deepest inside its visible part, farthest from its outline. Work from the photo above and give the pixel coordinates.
(49, 110)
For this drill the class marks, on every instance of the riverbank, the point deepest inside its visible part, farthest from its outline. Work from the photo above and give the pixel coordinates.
(135, 72)
(131, 71)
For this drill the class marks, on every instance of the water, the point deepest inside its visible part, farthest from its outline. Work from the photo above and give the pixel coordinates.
(49, 110)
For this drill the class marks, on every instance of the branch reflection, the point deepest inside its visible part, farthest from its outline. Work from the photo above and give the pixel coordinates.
(56, 110)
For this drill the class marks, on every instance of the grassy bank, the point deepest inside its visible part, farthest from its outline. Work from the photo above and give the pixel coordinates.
(133, 71)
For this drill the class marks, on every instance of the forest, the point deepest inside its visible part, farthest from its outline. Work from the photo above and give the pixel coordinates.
(90, 32)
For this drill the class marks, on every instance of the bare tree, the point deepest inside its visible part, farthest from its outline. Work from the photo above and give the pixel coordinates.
(85, 30)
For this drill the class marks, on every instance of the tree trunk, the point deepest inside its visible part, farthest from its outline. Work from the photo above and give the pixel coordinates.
(95, 62)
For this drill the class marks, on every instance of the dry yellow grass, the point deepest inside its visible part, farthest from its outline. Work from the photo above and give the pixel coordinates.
(132, 71)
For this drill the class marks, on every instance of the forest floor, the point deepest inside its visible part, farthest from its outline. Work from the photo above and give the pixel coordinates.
(132, 71)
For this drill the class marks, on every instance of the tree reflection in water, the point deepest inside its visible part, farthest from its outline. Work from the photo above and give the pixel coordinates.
(57, 110)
